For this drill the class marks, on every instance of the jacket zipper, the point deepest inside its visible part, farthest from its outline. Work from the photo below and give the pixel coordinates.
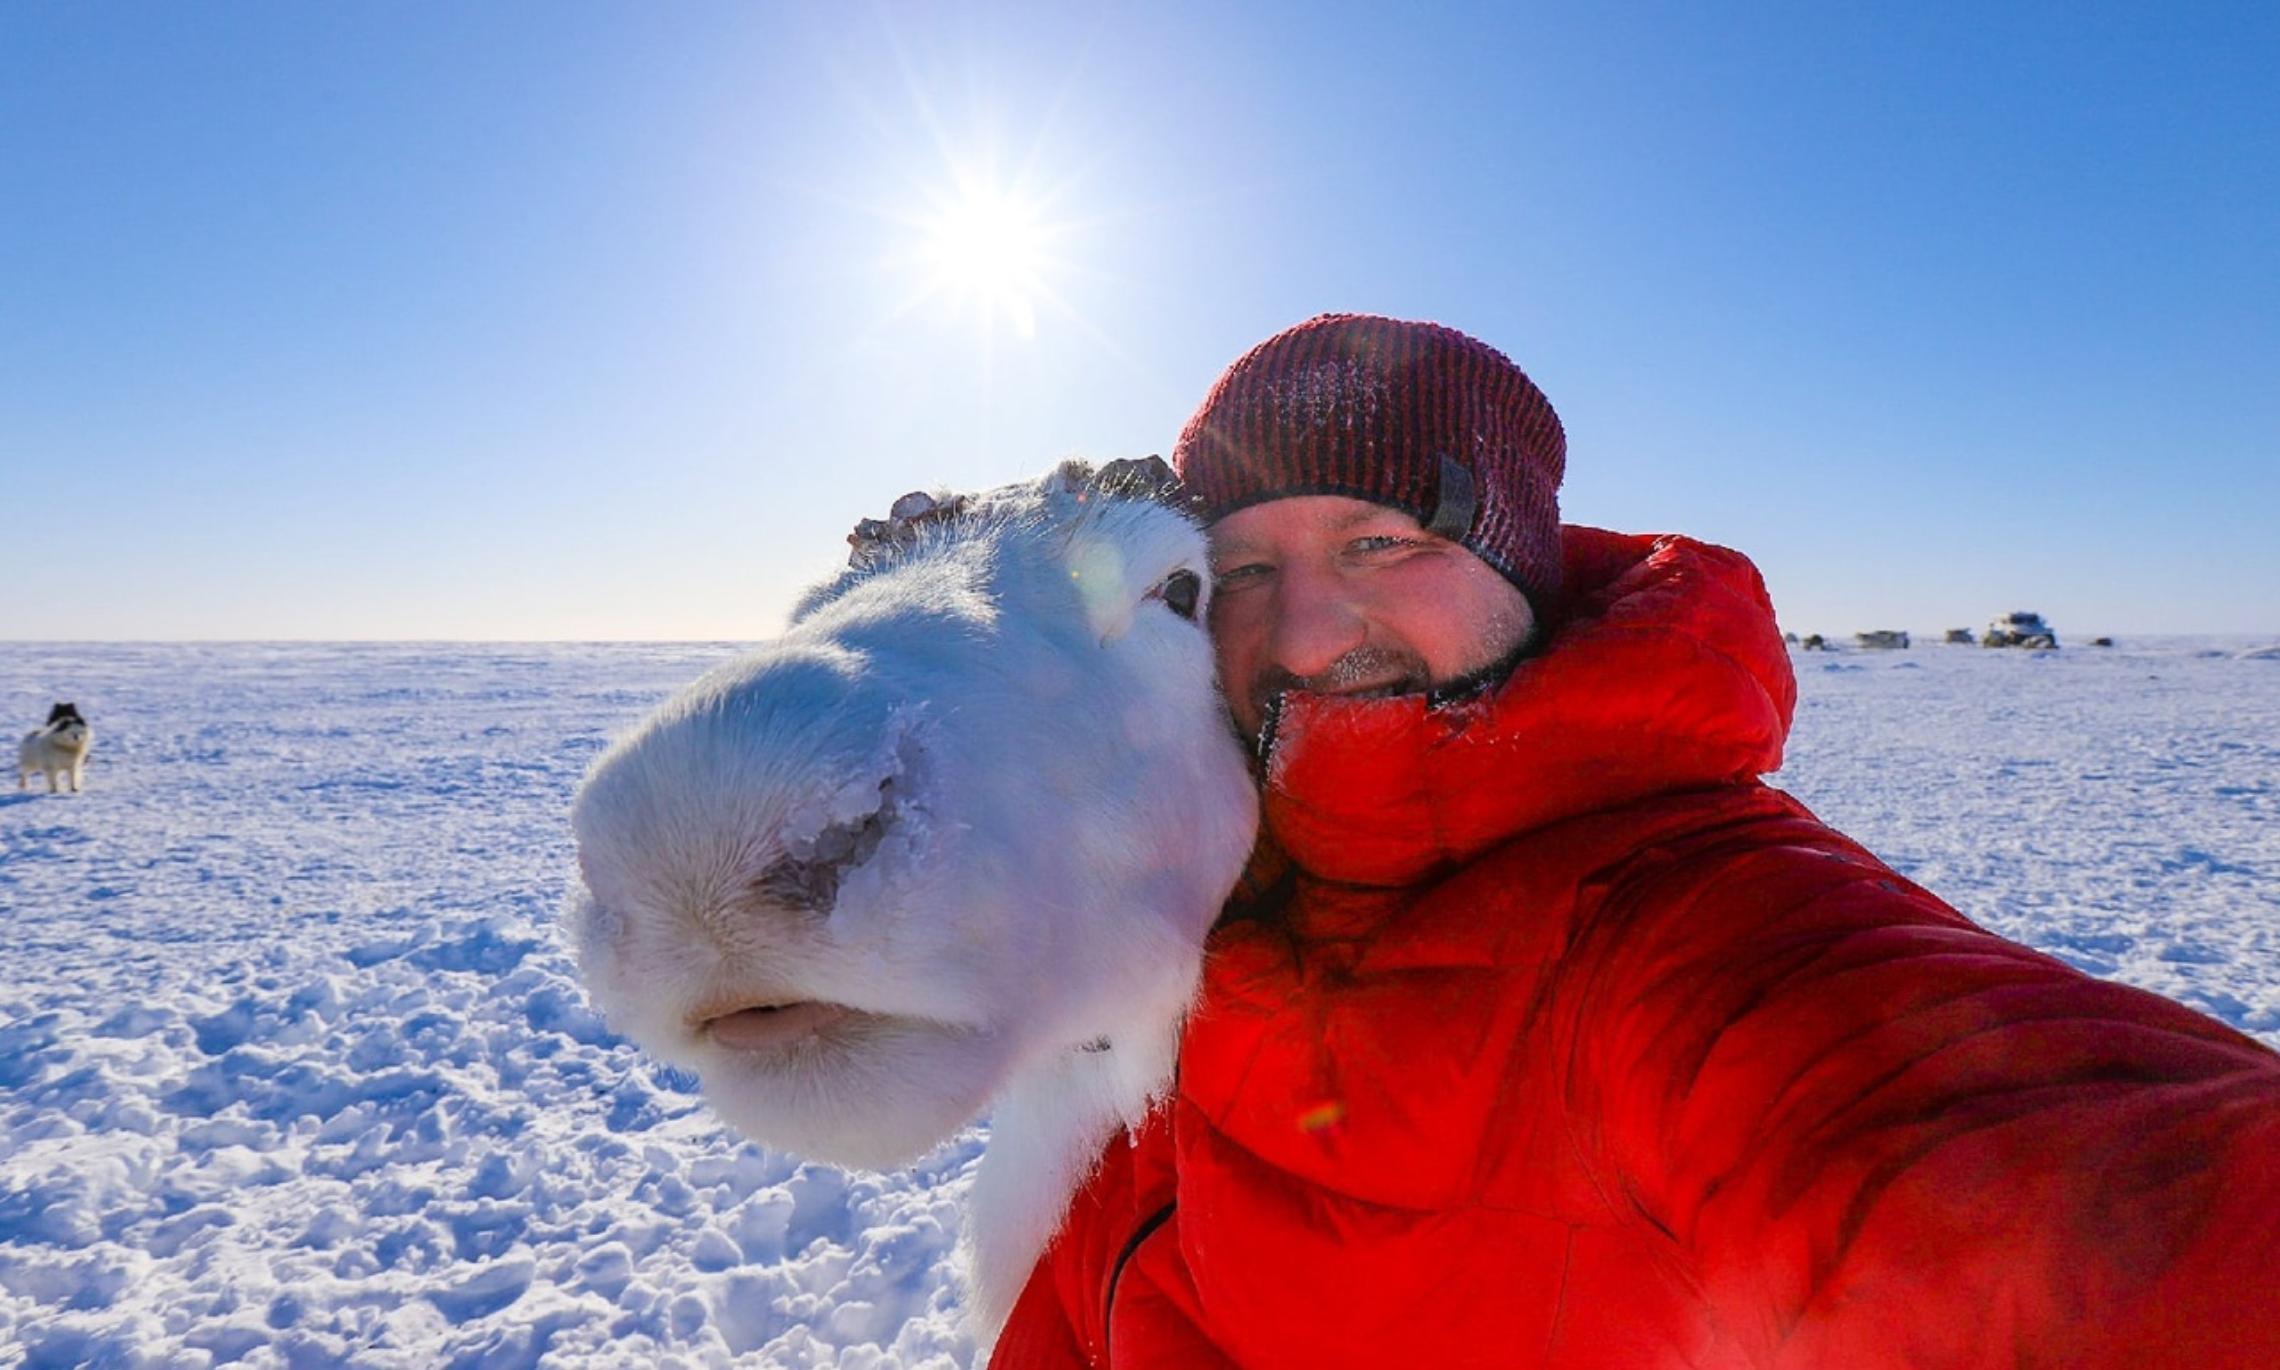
(1145, 1230)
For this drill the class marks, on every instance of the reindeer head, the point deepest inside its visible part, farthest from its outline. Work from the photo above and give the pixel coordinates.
(974, 811)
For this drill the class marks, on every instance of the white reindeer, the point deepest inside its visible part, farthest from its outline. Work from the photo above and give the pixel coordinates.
(950, 845)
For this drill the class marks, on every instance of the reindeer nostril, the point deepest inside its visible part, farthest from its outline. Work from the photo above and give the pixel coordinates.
(809, 879)
(1181, 590)
(811, 885)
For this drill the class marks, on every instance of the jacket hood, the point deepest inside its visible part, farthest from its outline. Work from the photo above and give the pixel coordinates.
(1664, 672)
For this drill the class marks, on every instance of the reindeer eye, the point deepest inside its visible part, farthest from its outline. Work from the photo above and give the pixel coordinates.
(1180, 591)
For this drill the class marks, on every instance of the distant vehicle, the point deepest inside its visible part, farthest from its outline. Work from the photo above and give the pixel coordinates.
(2101, 642)
(1962, 635)
(1883, 639)
(2019, 628)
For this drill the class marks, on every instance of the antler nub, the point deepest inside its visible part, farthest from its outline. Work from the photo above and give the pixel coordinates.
(1149, 477)
(878, 540)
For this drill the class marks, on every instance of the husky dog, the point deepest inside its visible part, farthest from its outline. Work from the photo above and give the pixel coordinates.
(950, 845)
(60, 746)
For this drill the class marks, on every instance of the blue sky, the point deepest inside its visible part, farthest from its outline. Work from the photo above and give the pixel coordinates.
(575, 320)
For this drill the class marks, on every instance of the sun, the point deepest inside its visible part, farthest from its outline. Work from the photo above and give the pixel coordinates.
(988, 250)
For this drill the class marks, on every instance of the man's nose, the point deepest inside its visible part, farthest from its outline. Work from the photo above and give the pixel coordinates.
(1317, 621)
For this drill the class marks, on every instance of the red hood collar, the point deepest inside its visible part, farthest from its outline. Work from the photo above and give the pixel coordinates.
(1665, 673)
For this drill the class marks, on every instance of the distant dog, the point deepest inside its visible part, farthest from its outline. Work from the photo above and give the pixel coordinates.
(60, 746)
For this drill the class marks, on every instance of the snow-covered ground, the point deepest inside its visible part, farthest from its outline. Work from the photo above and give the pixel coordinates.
(294, 1069)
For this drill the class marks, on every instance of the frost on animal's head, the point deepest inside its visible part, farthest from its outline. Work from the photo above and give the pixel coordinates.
(1086, 510)
(972, 813)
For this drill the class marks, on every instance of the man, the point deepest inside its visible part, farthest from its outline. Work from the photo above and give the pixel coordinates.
(1544, 1034)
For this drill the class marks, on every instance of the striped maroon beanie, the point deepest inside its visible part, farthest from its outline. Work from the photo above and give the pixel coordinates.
(1414, 415)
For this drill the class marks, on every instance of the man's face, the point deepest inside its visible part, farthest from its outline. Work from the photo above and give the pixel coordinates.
(1341, 596)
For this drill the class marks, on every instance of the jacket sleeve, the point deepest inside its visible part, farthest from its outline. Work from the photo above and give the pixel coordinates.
(1879, 1135)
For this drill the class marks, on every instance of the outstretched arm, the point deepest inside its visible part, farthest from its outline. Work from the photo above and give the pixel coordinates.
(1881, 1135)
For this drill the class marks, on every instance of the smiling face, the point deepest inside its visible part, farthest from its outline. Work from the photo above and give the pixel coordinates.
(1332, 595)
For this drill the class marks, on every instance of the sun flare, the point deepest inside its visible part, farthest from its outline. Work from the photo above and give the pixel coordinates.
(988, 250)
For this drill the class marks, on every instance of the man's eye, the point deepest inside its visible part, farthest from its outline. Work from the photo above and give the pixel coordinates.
(1383, 542)
(1236, 575)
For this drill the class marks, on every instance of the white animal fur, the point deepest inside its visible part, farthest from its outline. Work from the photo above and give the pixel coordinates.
(59, 748)
(1018, 753)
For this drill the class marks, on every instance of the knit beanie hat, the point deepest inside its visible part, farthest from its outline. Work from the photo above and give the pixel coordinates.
(1412, 415)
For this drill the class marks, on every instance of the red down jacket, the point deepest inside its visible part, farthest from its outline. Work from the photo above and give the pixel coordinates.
(1575, 1045)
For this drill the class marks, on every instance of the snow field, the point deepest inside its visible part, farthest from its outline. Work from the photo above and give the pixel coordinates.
(295, 1070)
(2116, 807)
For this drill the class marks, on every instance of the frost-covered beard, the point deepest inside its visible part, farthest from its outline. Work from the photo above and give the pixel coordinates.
(1370, 672)
(1364, 673)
